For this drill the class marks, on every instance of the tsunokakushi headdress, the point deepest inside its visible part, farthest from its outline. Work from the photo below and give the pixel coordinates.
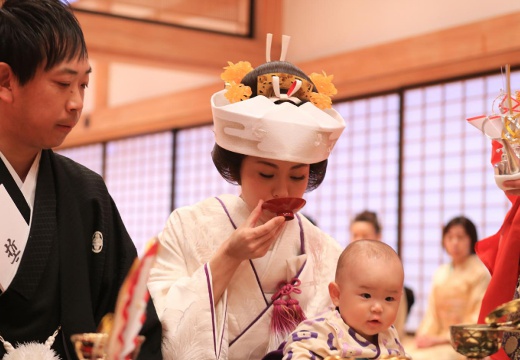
(276, 111)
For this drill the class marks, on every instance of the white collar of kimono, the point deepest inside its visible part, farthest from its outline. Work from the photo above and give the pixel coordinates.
(27, 187)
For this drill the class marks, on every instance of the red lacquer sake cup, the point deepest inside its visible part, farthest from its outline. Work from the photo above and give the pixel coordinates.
(285, 207)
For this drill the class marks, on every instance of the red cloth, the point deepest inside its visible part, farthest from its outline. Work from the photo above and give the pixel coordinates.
(496, 155)
(501, 254)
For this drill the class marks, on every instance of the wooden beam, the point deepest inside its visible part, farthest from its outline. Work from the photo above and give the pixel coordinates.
(179, 110)
(131, 41)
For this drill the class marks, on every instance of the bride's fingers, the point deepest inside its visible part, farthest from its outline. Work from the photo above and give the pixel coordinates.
(272, 229)
(255, 215)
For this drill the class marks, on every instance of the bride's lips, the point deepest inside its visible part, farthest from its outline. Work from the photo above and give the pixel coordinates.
(285, 207)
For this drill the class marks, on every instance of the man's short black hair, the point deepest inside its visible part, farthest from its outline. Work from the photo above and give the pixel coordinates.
(35, 33)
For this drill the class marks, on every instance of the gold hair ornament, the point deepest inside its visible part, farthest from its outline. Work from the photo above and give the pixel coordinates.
(234, 73)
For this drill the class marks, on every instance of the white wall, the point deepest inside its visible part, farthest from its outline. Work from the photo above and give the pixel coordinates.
(327, 27)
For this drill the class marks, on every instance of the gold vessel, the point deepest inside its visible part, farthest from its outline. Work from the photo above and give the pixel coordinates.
(477, 341)
(93, 346)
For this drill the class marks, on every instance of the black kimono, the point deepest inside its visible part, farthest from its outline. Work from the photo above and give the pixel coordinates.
(63, 279)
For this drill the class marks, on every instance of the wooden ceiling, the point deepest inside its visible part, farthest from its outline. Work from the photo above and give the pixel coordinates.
(463, 50)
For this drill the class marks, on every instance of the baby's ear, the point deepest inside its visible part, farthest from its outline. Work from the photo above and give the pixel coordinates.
(334, 293)
(6, 82)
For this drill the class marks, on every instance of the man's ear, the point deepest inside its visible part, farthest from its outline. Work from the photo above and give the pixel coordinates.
(334, 293)
(6, 82)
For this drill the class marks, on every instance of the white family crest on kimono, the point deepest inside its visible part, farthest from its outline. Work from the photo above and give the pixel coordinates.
(238, 326)
(97, 242)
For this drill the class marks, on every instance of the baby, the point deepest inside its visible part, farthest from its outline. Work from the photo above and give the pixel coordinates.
(366, 294)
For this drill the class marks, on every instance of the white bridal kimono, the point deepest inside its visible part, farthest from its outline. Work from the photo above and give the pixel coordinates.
(238, 326)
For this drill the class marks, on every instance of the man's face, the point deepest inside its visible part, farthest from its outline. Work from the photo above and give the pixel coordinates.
(44, 110)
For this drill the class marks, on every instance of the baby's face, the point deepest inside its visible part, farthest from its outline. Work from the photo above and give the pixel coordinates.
(369, 296)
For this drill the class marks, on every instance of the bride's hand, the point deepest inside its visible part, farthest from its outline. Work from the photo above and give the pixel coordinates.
(249, 241)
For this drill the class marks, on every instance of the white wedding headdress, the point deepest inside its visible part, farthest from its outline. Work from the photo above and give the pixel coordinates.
(289, 117)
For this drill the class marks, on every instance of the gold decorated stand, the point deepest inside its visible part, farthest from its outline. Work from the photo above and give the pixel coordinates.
(477, 341)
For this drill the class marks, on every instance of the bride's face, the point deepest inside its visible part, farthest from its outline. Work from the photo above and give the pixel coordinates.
(268, 179)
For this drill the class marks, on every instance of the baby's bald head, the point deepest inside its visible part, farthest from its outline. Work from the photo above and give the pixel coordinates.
(362, 253)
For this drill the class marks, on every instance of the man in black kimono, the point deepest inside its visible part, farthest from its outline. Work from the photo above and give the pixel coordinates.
(64, 251)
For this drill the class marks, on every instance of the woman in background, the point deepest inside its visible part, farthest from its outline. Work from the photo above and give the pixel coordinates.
(365, 226)
(456, 292)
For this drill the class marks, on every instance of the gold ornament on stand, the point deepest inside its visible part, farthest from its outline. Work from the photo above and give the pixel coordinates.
(476, 341)
(93, 346)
